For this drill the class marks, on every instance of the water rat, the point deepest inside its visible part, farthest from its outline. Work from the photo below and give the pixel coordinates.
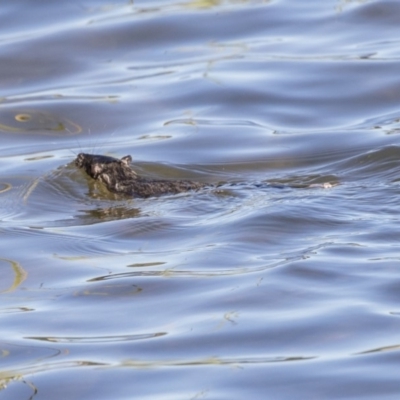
(119, 177)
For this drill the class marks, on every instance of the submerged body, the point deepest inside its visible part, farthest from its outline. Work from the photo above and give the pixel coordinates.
(119, 177)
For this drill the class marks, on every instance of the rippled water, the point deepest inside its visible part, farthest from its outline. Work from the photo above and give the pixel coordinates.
(253, 291)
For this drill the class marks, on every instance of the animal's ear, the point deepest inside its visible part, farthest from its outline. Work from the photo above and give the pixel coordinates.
(126, 160)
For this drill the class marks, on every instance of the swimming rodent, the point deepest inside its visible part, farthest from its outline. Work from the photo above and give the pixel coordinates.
(120, 178)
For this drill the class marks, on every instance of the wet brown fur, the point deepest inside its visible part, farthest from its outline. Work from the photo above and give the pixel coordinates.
(119, 177)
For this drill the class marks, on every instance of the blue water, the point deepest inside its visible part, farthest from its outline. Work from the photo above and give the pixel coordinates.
(249, 291)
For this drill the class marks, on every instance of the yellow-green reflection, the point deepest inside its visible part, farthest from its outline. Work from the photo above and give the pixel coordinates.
(202, 3)
(33, 121)
(4, 187)
(6, 377)
(4, 381)
(19, 275)
(236, 362)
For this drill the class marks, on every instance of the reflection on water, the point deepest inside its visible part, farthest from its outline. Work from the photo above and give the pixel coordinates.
(34, 122)
(265, 284)
(4, 187)
(19, 275)
(112, 213)
(97, 339)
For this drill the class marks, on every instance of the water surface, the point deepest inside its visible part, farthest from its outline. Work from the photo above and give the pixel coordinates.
(281, 291)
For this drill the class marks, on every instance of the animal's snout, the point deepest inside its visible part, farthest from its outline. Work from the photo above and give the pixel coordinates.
(79, 160)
